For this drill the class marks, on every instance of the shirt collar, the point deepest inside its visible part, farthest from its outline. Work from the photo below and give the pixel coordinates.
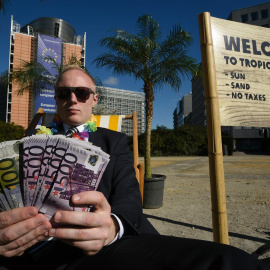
(80, 127)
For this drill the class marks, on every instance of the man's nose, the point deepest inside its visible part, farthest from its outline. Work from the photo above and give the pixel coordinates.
(73, 97)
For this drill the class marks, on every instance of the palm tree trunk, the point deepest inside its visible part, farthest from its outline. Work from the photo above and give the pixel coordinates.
(149, 98)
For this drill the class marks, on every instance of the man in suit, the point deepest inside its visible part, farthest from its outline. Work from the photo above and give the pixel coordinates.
(115, 234)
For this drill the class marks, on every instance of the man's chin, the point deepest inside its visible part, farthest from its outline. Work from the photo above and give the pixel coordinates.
(74, 121)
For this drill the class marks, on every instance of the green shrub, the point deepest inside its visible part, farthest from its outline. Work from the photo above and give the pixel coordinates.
(184, 140)
(195, 138)
(10, 131)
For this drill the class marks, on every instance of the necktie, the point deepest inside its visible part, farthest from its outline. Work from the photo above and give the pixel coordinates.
(70, 131)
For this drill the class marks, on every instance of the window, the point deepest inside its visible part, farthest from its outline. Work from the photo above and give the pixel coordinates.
(264, 13)
(254, 16)
(244, 18)
(56, 30)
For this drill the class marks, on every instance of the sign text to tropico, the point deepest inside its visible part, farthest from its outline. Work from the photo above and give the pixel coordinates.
(242, 56)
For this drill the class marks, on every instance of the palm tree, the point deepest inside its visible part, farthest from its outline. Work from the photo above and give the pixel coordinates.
(33, 75)
(3, 4)
(153, 61)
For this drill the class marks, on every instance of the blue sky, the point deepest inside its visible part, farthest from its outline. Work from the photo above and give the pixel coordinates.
(96, 18)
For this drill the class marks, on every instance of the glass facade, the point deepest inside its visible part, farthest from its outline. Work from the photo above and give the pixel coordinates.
(124, 102)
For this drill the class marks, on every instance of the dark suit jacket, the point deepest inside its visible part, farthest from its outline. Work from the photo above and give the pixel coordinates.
(119, 184)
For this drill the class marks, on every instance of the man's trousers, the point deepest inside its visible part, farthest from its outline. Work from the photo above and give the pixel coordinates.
(151, 252)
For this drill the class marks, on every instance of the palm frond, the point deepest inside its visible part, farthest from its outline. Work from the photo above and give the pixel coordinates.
(148, 28)
(3, 4)
(119, 65)
(176, 43)
(145, 57)
(31, 75)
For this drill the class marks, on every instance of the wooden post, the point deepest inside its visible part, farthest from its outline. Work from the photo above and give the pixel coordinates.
(135, 142)
(139, 168)
(40, 113)
(218, 197)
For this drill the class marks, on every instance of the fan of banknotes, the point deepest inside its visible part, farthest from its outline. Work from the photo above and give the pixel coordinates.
(45, 171)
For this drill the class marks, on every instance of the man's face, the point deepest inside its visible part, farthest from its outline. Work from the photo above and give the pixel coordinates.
(75, 112)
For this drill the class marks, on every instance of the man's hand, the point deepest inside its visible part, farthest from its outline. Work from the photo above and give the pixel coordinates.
(21, 228)
(89, 231)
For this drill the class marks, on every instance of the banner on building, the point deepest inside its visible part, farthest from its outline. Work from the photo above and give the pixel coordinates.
(49, 55)
(242, 60)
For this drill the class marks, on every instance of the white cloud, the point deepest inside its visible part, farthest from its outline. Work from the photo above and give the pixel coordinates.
(111, 81)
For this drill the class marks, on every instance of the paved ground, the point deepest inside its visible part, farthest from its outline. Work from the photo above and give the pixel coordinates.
(186, 209)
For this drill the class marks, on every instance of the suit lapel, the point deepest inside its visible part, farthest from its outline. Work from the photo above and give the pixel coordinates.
(95, 138)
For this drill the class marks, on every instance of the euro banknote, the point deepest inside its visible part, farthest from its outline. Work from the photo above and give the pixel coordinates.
(45, 171)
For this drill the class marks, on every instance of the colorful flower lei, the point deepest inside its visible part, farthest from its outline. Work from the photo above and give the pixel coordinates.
(90, 126)
(44, 130)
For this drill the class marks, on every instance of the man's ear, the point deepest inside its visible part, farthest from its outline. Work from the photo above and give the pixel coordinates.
(95, 100)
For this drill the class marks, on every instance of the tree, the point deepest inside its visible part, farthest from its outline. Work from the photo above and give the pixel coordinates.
(3, 4)
(33, 75)
(151, 60)
(10, 131)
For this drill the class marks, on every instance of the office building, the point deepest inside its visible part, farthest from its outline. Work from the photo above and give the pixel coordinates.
(198, 103)
(124, 102)
(182, 113)
(257, 15)
(42, 40)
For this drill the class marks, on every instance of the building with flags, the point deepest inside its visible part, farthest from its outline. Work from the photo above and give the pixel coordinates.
(49, 42)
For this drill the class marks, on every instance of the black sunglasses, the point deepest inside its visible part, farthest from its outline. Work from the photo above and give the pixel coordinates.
(82, 93)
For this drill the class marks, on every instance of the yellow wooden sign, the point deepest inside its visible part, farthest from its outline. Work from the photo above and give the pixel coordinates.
(242, 58)
(236, 69)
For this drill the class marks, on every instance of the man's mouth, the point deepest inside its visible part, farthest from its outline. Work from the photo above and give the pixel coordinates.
(72, 110)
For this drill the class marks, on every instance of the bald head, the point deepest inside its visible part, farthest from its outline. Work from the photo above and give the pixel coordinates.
(73, 67)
